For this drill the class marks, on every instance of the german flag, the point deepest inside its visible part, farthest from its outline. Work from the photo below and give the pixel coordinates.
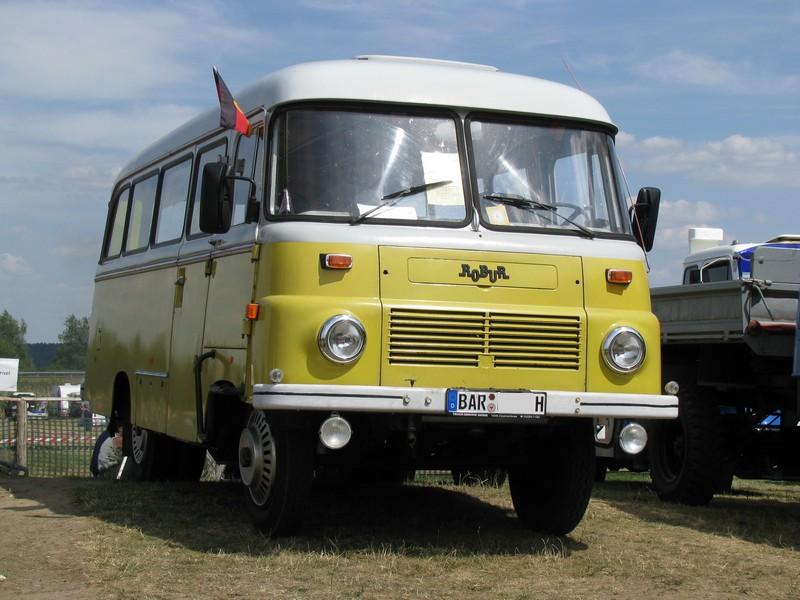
(230, 115)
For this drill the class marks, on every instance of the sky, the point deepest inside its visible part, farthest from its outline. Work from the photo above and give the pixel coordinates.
(706, 96)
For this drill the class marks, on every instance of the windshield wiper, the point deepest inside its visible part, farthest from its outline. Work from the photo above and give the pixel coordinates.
(394, 197)
(522, 202)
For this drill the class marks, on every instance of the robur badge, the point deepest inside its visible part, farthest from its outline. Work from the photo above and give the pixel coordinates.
(483, 272)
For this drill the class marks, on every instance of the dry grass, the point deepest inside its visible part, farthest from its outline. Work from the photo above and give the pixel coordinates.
(440, 541)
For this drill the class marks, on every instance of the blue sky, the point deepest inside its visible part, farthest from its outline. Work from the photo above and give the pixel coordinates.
(706, 95)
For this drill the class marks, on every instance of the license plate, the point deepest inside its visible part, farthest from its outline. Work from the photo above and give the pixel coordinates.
(488, 403)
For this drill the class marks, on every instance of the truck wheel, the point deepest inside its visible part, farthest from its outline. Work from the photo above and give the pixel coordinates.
(551, 491)
(685, 453)
(276, 468)
(139, 446)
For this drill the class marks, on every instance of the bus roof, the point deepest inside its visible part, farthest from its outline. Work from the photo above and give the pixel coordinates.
(403, 80)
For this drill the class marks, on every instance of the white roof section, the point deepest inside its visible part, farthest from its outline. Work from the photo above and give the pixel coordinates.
(403, 80)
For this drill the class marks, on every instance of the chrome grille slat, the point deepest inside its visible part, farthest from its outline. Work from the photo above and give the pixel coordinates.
(460, 338)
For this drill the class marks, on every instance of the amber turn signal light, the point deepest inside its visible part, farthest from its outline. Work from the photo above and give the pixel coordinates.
(251, 312)
(337, 261)
(620, 276)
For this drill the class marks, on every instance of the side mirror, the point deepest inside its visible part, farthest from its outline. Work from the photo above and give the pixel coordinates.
(644, 216)
(216, 204)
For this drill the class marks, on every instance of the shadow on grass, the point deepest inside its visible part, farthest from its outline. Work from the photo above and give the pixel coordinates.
(411, 520)
(748, 514)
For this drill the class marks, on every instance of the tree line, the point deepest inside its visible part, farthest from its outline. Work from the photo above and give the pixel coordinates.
(69, 356)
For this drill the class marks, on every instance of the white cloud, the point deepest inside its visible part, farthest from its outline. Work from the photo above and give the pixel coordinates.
(735, 160)
(684, 68)
(13, 265)
(675, 217)
(94, 51)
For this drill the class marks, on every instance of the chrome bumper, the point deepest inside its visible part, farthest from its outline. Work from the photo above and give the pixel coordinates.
(432, 402)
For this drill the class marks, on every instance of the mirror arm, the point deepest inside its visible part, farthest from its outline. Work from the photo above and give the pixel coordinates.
(251, 211)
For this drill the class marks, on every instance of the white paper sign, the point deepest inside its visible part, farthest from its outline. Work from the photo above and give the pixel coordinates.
(9, 369)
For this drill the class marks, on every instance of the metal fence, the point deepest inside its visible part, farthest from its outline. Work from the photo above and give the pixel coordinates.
(58, 434)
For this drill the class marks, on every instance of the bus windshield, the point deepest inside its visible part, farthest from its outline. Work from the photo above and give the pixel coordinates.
(535, 176)
(357, 166)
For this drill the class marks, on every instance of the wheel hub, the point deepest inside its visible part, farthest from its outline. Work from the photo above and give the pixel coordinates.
(138, 443)
(257, 457)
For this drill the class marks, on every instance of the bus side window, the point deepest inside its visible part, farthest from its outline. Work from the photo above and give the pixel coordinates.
(247, 151)
(206, 156)
(141, 218)
(172, 201)
(117, 220)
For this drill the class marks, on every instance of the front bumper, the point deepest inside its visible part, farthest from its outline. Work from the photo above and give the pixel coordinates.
(432, 401)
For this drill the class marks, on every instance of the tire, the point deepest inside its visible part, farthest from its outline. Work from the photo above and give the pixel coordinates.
(686, 454)
(600, 471)
(276, 467)
(489, 477)
(139, 447)
(551, 492)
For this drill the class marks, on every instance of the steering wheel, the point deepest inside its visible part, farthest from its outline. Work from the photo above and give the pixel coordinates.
(576, 209)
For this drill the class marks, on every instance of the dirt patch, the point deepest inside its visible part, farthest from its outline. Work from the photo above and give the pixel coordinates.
(39, 531)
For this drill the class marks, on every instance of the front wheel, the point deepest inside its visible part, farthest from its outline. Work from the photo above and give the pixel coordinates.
(551, 491)
(276, 468)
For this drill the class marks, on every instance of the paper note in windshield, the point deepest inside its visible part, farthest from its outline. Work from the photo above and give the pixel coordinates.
(440, 166)
(498, 215)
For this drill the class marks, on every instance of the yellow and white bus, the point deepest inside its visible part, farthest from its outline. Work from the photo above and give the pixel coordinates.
(409, 264)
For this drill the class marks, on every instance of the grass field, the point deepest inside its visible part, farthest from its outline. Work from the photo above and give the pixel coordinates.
(434, 540)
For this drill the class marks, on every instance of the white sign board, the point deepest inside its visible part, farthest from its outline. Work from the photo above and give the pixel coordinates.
(9, 369)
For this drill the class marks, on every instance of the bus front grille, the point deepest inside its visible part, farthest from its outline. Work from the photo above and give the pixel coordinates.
(460, 338)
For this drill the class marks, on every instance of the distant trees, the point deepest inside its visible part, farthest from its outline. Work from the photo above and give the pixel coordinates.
(12, 340)
(71, 356)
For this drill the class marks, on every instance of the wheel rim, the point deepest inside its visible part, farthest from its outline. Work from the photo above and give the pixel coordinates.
(138, 444)
(257, 457)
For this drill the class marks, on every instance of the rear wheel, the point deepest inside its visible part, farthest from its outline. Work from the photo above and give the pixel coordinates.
(276, 468)
(139, 447)
(686, 453)
(551, 491)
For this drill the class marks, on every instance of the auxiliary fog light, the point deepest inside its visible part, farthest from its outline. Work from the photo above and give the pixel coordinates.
(633, 438)
(335, 432)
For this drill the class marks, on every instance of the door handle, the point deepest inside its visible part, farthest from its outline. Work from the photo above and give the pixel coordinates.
(181, 280)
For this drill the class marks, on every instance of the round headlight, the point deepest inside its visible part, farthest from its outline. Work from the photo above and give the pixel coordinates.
(342, 338)
(623, 350)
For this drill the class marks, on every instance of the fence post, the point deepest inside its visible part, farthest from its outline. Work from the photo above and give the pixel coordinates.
(22, 434)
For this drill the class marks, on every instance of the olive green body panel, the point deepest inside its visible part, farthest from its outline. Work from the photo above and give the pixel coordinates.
(231, 288)
(187, 342)
(130, 333)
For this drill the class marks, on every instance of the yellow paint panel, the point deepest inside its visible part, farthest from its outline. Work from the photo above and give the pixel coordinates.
(612, 305)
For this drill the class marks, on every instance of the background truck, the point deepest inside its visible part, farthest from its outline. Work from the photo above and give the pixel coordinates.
(728, 337)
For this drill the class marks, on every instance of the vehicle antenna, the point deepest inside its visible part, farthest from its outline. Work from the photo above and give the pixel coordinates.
(571, 74)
